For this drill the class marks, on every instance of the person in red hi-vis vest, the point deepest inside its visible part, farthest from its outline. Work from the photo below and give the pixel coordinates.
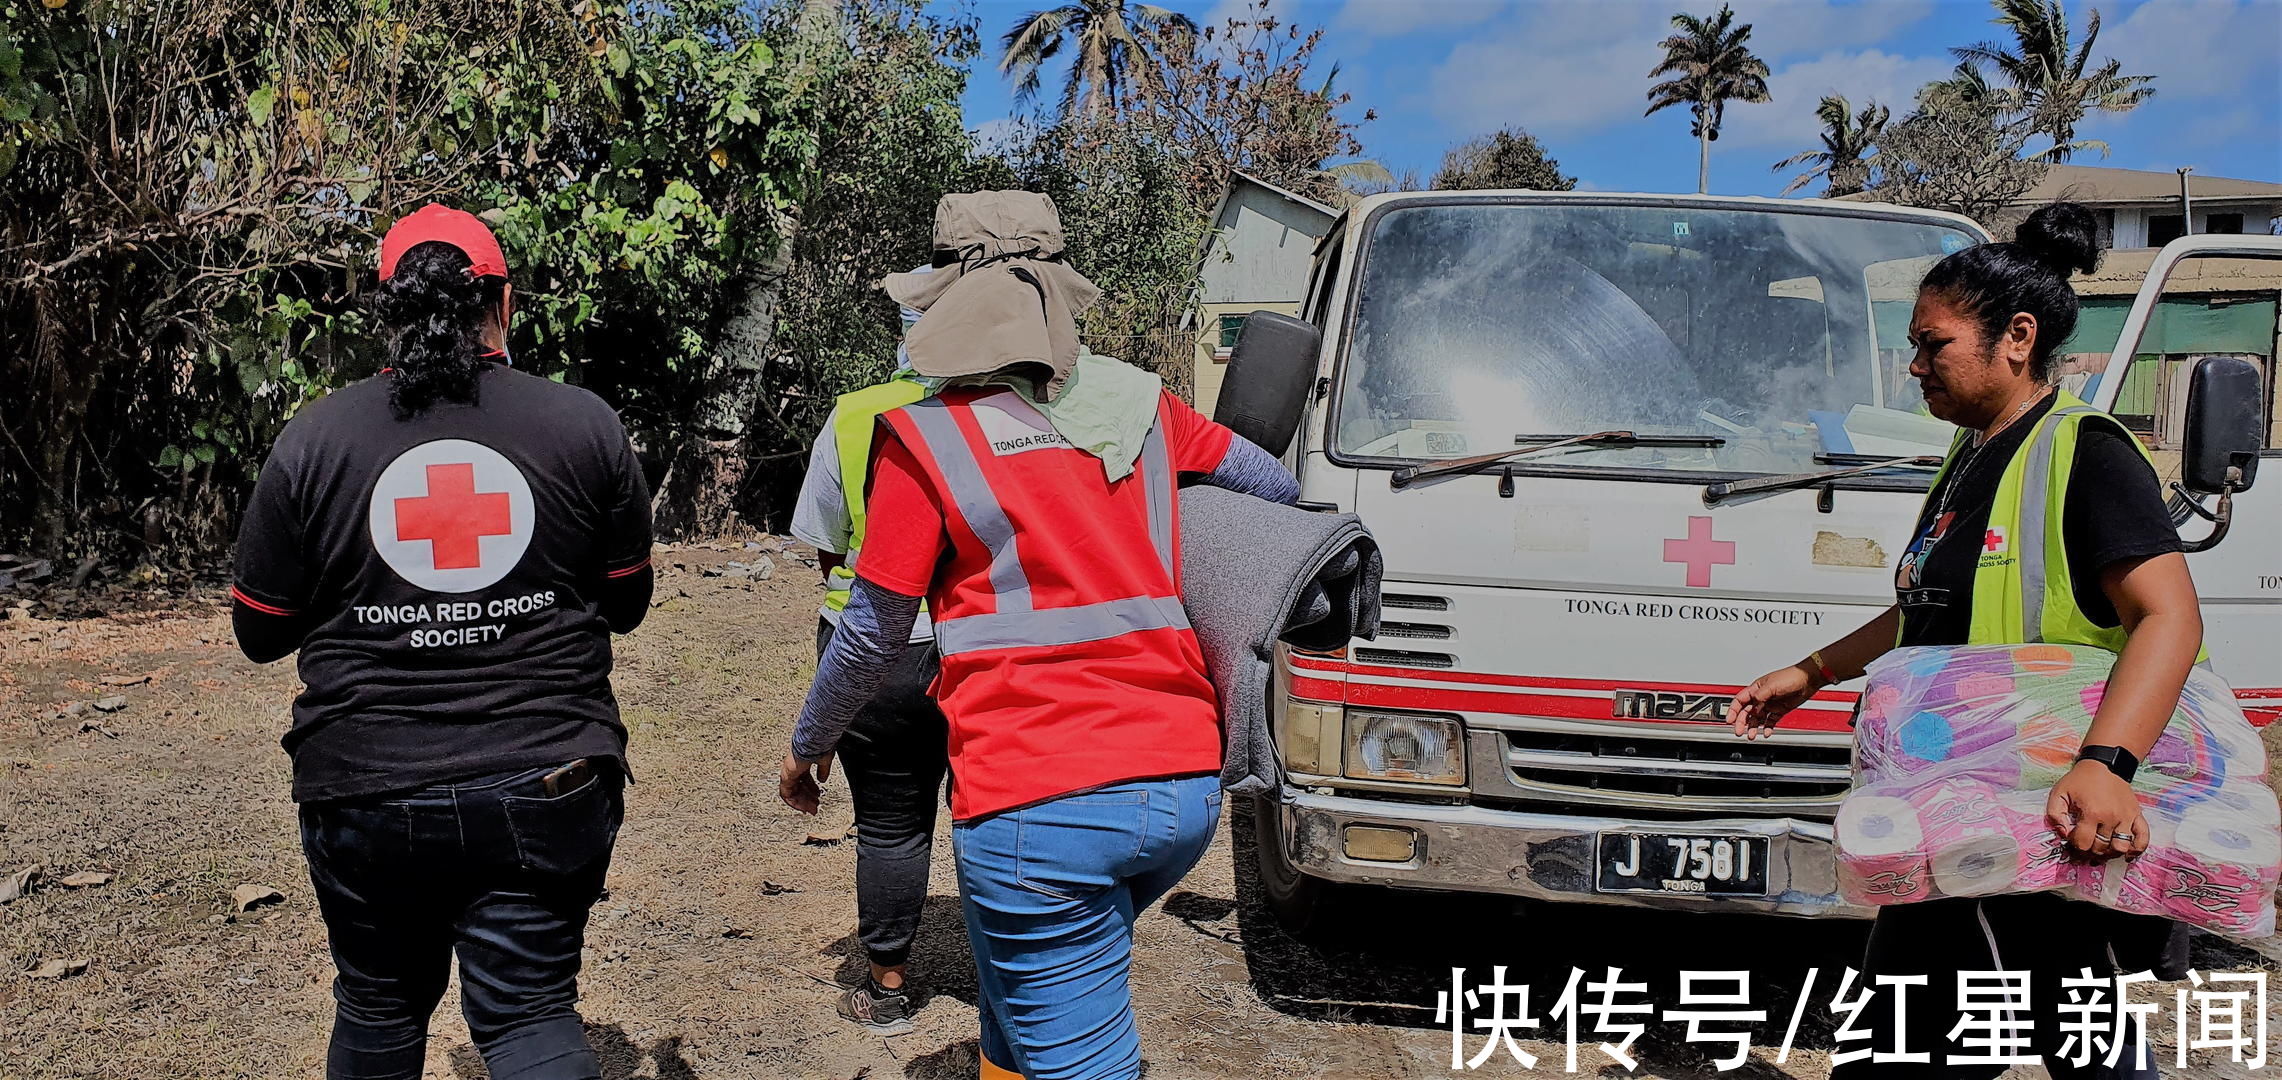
(1031, 502)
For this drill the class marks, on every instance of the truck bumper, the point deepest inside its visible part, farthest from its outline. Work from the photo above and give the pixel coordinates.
(1549, 856)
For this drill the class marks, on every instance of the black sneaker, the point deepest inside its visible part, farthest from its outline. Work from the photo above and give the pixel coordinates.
(877, 1008)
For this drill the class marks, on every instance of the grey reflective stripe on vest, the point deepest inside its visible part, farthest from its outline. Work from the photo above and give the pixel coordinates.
(1058, 626)
(2035, 483)
(977, 505)
(1018, 623)
(1157, 475)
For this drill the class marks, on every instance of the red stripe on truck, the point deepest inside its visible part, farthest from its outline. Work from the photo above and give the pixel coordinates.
(1506, 703)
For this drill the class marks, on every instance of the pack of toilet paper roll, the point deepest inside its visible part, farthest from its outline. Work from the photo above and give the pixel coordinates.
(1957, 749)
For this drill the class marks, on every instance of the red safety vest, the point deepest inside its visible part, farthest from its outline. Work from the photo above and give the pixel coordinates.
(1068, 662)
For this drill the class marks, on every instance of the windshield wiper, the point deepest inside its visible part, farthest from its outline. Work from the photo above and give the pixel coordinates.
(1852, 459)
(1532, 444)
(1727, 489)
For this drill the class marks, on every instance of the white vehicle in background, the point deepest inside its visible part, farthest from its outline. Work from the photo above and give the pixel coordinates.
(1622, 453)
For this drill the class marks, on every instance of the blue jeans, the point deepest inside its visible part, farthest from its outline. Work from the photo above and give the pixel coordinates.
(1050, 893)
(493, 869)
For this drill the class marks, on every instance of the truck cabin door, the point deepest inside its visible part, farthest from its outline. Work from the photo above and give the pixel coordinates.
(2204, 298)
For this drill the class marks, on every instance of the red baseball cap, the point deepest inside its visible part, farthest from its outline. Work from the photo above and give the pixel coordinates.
(442, 224)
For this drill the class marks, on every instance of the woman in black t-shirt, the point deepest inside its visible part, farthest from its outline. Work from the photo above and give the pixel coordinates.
(1986, 325)
(449, 546)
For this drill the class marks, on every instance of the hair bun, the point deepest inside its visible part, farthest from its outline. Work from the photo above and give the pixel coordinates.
(2063, 236)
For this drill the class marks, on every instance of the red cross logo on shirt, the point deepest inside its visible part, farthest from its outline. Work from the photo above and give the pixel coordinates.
(1993, 540)
(1700, 552)
(451, 516)
(454, 517)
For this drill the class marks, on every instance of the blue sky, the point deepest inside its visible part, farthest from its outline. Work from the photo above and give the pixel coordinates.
(1574, 73)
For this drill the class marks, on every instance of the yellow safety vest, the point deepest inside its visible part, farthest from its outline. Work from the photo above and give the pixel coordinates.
(854, 417)
(2022, 591)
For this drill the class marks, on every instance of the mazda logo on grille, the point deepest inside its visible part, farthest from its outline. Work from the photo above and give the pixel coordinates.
(1659, 705)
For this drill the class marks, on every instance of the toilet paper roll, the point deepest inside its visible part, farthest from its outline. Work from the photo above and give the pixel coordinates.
(1873, 826)
(2235, 740)
(1881, 856)
(2213, 870)
(2045, 861)
(1977, 866)
(2249, 804)
(1957, 809)
(1879, 880)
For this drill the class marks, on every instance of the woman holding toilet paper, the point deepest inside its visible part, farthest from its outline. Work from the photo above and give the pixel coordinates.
(2046, 524)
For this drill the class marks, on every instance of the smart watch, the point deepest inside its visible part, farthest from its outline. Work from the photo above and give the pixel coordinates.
(2119, 761)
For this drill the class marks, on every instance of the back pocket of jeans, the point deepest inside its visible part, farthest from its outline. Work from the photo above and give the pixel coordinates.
(1068, 847)
(565, 833)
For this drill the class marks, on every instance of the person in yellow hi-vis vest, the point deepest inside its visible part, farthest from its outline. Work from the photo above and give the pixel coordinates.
(896, 751)
(2046, 524)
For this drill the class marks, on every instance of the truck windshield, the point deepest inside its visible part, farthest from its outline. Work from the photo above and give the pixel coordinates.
(1783, 334)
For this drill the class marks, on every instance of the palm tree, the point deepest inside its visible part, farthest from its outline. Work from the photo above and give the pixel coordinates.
(1710, 65)
(2048, 80)
(1110, 54)
(1849, 142)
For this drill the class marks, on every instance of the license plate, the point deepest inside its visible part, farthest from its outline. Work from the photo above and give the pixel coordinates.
(1665, 863)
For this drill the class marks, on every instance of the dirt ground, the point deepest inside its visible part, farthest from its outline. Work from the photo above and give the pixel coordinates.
(716, 950)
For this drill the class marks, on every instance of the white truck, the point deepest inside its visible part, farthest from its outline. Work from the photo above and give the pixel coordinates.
(1618, 452)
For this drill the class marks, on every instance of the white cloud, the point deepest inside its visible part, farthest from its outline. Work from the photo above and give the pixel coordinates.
(1558, 69)
(1788, 120)
(1394, 18)
(1568, 66)
(1786, 28)
(2199, 48)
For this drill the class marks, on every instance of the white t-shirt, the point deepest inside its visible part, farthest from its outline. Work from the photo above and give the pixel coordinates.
(820, 516)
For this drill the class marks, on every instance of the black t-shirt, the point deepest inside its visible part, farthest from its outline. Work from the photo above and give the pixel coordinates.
(2114, 511)
(447, 569)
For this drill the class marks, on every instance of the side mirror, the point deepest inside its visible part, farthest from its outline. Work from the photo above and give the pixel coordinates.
(1269, 376)
(2225, 426)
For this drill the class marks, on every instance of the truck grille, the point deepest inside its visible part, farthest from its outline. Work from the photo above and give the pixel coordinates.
(1405, 658)
(1734, 771)
(1414, 602)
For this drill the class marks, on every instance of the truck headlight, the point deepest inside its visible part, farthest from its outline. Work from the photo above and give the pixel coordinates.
(1406, 747)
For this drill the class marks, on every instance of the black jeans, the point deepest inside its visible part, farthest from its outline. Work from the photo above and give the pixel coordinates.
(491, 868)
(2048, 936)
(894, 755)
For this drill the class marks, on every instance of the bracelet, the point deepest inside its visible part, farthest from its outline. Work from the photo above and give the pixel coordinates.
(1815, 659)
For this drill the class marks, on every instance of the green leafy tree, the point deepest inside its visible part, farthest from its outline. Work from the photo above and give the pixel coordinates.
(1849, 148)
(1109, 58)
(194, 190)
(1508, 158)
(1710, 63)
(1123, 194)
(890, 143)
(2047, 77)
(1960, 150)
(1239, 97)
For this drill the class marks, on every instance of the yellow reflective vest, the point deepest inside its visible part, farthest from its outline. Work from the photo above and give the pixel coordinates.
(854, 417)
(2022, 591)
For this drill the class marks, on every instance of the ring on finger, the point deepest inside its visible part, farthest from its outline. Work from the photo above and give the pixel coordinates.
(2123, 836)
(2103, 837)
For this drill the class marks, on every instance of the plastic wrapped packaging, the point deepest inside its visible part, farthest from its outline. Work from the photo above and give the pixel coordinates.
(1957, 749)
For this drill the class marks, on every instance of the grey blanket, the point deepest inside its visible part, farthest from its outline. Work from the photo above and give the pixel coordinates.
(1253, 572)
